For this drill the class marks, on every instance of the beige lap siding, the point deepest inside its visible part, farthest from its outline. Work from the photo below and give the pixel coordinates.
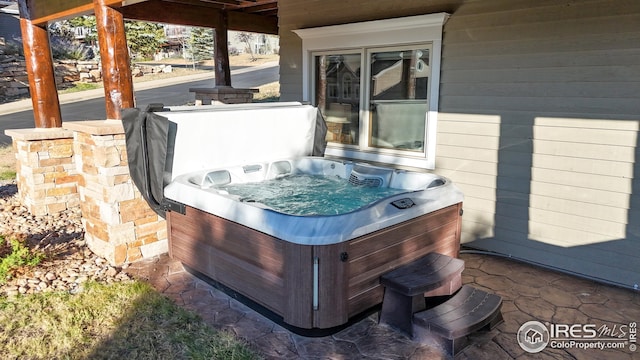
(538, 122)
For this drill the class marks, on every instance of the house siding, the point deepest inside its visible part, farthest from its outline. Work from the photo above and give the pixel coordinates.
(298, 14)
(538, 125)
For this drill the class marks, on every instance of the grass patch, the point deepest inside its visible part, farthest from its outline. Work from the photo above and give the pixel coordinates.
(7, 175)
(116, 321)
(243, 59)
(13, 255)
(268, 93)
(81, 86)
(7, 163)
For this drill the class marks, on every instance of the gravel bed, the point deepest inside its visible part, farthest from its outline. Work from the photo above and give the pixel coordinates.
(68, 262)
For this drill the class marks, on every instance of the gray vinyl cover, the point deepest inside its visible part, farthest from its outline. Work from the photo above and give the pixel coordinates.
(156, 142)
(146, 136)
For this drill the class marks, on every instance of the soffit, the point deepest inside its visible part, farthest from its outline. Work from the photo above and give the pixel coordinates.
(242, 15)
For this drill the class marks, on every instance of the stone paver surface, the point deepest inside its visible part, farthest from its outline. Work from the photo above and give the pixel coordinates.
(529, 294)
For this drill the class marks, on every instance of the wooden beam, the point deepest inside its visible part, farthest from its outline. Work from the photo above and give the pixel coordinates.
(114, 55)
(240, 21)
(196, 15)
(173, 13)
(42, 83)
(194, 3)
(44, 8)
(179, 12)
(41, 12)
(260, 7)
(224, 2)
(221, 53)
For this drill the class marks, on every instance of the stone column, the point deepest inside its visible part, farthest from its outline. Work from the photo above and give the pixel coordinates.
(118, 223)
(223, 95)
(114, 54)
(42, 84)
(46, 174)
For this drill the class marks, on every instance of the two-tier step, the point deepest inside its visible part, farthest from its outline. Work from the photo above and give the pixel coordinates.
(412, 289)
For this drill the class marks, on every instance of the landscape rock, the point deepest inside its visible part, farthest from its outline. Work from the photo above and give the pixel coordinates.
(67, 263)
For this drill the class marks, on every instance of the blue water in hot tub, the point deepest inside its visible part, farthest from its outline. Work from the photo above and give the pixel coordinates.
(309, 194)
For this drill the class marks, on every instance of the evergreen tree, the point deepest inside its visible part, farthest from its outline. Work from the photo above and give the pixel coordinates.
(89, 24)
(200, 45)
(144, 39)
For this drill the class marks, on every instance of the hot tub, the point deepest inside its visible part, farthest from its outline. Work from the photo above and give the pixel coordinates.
(310, 271)
(419, 193)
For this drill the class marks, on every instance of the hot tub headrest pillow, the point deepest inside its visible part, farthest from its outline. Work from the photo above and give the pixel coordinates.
(163, 143)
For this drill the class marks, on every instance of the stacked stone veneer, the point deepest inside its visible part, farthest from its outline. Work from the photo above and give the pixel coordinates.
(118, 223)
(14, 81)
(46, 171)
(85, 164)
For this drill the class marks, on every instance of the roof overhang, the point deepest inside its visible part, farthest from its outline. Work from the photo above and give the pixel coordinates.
(259, 16)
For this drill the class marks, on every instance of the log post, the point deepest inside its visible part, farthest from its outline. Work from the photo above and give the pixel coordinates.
(221, 52)
(321, 87)
(40, 70)
(114, 54)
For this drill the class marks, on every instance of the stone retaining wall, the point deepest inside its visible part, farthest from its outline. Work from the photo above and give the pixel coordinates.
(14, 81)
(13, 77)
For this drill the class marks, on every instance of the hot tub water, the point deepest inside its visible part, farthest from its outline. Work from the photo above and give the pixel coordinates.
(306, 195)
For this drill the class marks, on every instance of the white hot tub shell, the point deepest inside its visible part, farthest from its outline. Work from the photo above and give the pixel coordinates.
(423, 193)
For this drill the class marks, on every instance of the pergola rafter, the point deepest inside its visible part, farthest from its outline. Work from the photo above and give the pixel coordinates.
(254, 16)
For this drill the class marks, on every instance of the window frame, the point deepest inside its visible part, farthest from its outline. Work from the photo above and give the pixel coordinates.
(367, 123)
(365, 37)
(359, 95)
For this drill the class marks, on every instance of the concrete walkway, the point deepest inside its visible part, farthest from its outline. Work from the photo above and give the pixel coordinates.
(529, 293)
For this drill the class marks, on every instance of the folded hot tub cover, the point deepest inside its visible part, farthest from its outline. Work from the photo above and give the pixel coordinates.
(146, 136)
(164, 142)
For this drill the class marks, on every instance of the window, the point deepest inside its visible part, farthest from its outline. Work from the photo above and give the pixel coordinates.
(337, 82)
(399, 85)
(377, 84)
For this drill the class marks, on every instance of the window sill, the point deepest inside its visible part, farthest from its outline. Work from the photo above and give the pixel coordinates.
(378, 157)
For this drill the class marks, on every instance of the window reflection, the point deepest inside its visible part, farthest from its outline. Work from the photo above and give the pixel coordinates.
(338, 95)
(397, 93)
(398, 99)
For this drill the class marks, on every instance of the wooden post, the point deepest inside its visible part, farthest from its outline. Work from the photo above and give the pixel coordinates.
(321, 87)
(221, 52)
(42, 83)
(411, 74)
(114, 54)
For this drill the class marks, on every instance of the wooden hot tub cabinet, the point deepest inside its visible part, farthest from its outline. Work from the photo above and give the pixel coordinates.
(279, 275)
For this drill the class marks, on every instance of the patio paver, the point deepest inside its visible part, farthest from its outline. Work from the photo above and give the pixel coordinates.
(529, 293)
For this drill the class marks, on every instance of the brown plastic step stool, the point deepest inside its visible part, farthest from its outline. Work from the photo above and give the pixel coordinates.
(450, 323)
(406, 287)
